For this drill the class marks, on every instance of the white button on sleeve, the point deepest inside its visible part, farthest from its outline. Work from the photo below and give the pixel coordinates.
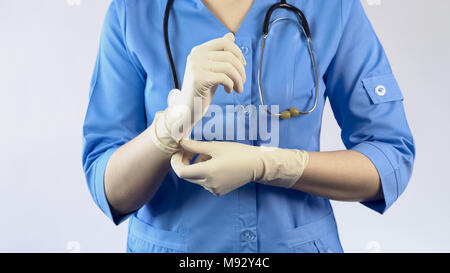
(380, 90)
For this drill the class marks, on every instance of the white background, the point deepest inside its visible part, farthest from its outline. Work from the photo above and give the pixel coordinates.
(47, 54)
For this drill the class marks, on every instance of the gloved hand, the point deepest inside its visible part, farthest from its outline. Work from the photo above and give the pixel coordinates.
(219, 61)
(226, 166)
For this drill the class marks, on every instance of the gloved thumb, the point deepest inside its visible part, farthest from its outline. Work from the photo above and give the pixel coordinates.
(197, 147)
(177, 162)
(174, 97)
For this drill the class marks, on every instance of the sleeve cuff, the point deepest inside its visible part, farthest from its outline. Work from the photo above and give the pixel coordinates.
(387, 175)
(99, 188)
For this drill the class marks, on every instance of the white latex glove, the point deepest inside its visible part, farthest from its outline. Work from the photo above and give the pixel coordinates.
(226, 166)
(219, 61)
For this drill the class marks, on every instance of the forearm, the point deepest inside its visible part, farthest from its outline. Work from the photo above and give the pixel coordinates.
(340, 175)
(134, 173)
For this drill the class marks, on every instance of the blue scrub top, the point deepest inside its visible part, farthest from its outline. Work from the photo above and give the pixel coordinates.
(132, 79)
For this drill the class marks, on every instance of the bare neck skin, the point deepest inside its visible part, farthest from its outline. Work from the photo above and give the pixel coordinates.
(231, 13)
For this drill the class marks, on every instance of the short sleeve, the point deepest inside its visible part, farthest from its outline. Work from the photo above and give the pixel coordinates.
(115, 113)
(368, 104)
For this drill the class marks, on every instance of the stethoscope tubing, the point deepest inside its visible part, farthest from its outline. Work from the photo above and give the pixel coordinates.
(313, 62)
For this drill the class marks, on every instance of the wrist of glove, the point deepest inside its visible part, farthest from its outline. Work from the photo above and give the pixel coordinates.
(160, 134)
(171, 125)
(281, 167)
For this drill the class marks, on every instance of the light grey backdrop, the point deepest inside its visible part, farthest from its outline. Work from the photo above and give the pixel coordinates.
(47, 53)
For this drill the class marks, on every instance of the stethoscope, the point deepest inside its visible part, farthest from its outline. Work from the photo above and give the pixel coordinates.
(291, 112)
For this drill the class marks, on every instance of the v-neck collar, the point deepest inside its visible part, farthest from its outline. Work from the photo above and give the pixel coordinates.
(242, 27)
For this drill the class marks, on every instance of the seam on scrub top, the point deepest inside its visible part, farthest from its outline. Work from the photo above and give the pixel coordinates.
(390, 163)
(108, 153)
(94, 79)
(344, 25)
(161, 12)
(333, 60)
(125, 44)
(341, 17)
(95, 178)
(396, 179)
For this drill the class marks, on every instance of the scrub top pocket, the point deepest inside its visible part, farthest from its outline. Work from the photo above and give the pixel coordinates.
(314, 246)
(316, 237)
(138, 245)
(145, 238)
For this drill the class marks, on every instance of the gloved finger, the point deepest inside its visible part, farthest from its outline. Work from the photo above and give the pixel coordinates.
(226, 56)
(176, 161)
(223, 79)
(199, 181)
(225, 43)
(198, 147)
(196, 173)
(230, 37)
(230, 71)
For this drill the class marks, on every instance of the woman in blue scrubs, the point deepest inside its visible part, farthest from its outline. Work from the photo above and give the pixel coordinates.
(130, 177)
